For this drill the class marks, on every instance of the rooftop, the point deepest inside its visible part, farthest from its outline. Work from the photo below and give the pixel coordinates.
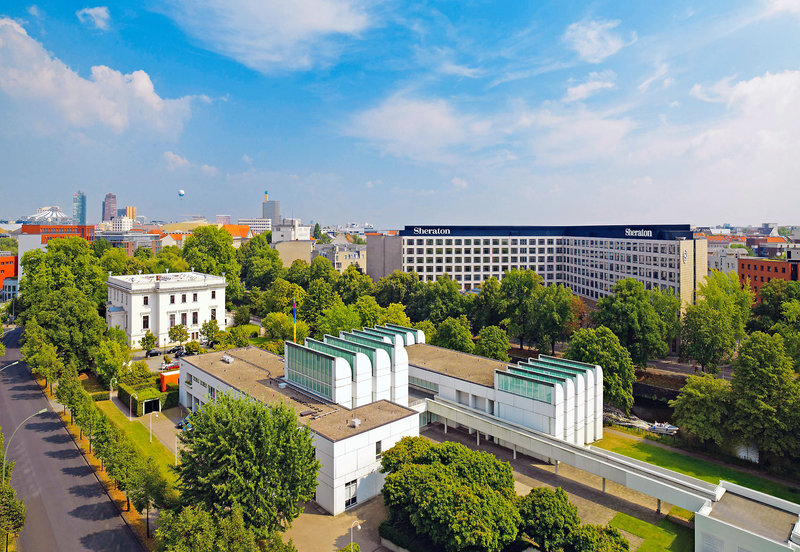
(256, 372)
(460, 365)
(756, 517)
(129, 280)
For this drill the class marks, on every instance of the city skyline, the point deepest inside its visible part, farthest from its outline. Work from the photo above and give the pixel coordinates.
(435, 114)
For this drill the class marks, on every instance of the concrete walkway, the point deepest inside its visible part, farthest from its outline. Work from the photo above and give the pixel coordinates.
(163, 425)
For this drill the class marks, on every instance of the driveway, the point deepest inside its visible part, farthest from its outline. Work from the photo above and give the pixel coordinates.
(67, 508)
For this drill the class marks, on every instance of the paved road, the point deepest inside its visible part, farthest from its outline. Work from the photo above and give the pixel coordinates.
(67, 508)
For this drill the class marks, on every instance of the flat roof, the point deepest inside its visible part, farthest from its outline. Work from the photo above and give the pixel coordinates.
(615, 231)
(756, 517)
(472, 368)
(165, 277)
(256, 373)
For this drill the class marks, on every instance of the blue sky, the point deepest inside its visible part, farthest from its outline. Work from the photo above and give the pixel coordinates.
(405, 113)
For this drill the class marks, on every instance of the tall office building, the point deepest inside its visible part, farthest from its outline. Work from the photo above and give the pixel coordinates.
(271, 210)
(79, 209)
(109, 207)
(130, 212)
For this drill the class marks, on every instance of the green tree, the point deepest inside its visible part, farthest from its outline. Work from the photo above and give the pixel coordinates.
(210, 330)
(148, 341)
(100, 246)
(280, 297)
(428, 329)
(600, 346)
(596, 538)
(727, 296)
(766, 398)
(242, 316)
(703, 408)
(487, 308)
(493, 343)
(148, 488)
(454, 334)
(769, 311)
(169, 259)
(707, 336)
(370, 313)
(397, 287)
(210, 250)
(519, 288)
(261, 264)
(395, 313)
(12, 510)
(279, 326)
(115, 261)
(111, 356)
(237, 448)
(71, 323)
(548, 517)
(320, 296)
(299, 273)
(436, 301)
(143, 252)
(630, 313)
(322, 269)
(317, 232)
(338, 318)
(352, 285)
(552, 315)
(178, 333)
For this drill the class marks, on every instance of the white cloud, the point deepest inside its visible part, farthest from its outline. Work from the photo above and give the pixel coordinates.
(594, 40)
(450, 68)
(777, 6)
(98, 17)
(372, 183)
(459, 183)
(175, 161)
(209, 170)
(595, 83)
(30, 74)
(659, 74)
(269, 35)
(35, 11)
(422, 130)
(247, 159)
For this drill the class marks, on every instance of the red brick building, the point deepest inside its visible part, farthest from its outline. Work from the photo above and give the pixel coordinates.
(48, 232)
(761, 270)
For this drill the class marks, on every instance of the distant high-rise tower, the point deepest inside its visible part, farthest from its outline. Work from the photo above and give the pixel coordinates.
(223, 219)
(130, 212)
(109, 207)
(271, 210)
(79, 209)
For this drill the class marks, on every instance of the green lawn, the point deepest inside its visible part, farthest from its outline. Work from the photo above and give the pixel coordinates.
(91, 384)
(695, 467)
(664, 536)
(140, 435)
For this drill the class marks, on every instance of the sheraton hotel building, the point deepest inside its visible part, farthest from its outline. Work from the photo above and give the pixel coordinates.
(587, 259)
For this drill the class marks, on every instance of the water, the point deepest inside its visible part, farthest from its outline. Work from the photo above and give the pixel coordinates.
(652, 411)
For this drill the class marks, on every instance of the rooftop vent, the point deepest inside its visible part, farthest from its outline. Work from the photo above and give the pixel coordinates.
(227, 359)
(282, 385)
(355, 422)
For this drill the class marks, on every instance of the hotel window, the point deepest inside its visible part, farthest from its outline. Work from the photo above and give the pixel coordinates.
(213, 314)
(145, 299)
(194, 298)
(171, 299)
(350, 493)
(145, 321)
(171, 320)
(213, 294)
(183, 318)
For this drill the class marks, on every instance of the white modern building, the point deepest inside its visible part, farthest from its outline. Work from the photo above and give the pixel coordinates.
(588, 259)
(349, 440)
(257, 225)
(156, 302)
(10, 289)
(290, 229)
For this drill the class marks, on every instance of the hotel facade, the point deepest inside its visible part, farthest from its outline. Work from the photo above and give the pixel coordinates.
(588, 259)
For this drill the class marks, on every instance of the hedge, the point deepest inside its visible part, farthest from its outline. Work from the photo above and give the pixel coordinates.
(137, 396)
(98, 396)
(412, 543)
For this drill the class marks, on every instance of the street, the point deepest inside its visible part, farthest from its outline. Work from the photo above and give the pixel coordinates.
(67, 508)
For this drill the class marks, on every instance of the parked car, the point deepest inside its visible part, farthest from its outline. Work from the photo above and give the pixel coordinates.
(184, 423)
(183, 353)
(175, 350)
(152, 353)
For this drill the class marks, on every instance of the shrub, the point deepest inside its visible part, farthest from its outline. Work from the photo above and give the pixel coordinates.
(98, 396)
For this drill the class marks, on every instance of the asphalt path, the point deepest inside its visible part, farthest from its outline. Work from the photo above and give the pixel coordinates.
(67, 508)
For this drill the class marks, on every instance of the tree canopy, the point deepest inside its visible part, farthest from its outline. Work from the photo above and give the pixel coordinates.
(548, 517)
(492, 343)
(454, 334)
(237, 450)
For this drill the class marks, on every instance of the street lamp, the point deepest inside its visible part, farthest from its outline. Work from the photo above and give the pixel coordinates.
(111, 387)
(8, 444)
(354, 524)
(8, 365)
(130, 407)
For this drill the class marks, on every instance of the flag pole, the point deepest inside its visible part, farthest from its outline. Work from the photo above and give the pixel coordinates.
(294, 304)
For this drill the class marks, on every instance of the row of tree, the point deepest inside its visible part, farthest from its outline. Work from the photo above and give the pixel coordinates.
(12, 510)
(465, 500)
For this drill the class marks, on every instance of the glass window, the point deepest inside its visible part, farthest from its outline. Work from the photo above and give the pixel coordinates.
(171, 320)
(171, 299)
(145, 322)
(213, 294)
(194, 318)
(183, 298)
(350, 493)
(213, 314)
(145, 299)
(378, 450)
(183, 318)
(194, 298)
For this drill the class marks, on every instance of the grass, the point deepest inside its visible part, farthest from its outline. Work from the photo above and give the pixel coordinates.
(91, 384)
(664, 536)
(140, 436)
(251, 328)
(695, 467)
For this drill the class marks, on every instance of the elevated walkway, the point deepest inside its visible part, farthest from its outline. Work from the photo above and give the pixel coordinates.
(667, 485)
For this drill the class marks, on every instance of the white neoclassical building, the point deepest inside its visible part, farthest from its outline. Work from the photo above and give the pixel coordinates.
(156, 302)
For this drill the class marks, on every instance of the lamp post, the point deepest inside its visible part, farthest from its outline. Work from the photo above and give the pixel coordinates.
(8, 444)
(8, 365)
(354, 524)
(111, 387)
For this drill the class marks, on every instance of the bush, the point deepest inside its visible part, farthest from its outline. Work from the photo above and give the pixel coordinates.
(405, 538)
(98, 396)
(351, 548)
(192, 347)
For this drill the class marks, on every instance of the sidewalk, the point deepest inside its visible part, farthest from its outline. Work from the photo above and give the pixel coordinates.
(163, 425)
